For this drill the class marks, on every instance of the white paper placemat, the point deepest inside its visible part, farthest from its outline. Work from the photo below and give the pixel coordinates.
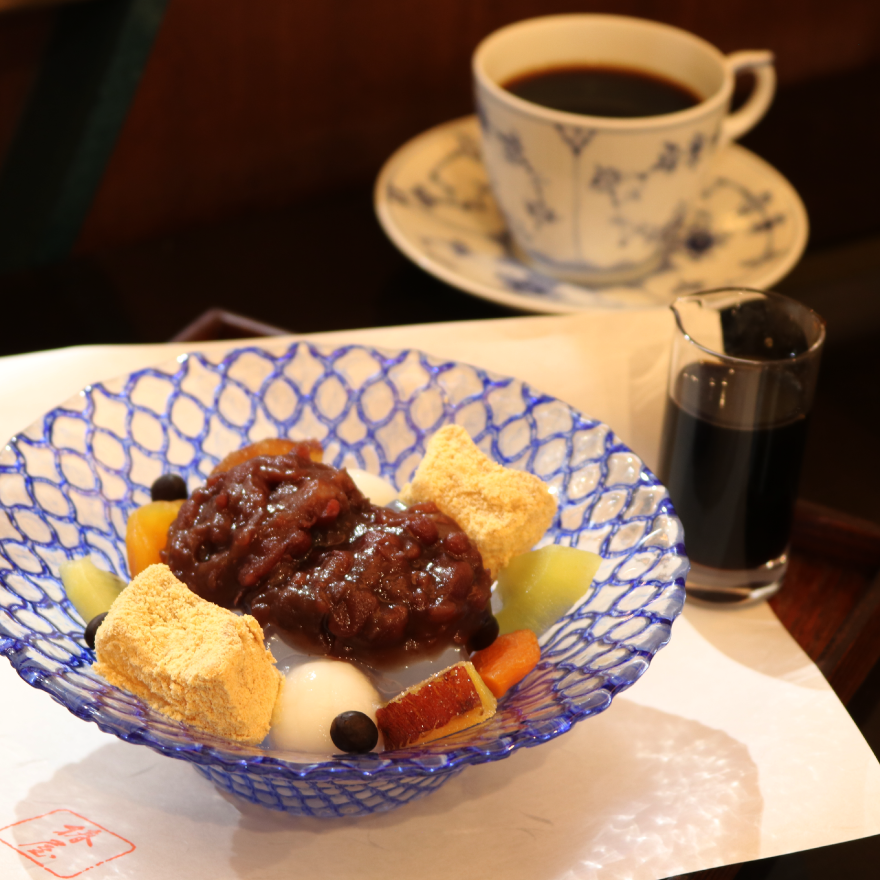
(731, 748)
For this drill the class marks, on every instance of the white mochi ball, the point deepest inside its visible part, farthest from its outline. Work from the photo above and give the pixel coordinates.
(377, 489)
(312, 695)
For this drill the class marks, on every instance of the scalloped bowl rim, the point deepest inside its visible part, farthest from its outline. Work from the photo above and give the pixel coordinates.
(442, 756)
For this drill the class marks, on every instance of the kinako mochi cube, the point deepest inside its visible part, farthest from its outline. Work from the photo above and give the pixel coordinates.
(445, 703)
(503, 511)
(188, 658)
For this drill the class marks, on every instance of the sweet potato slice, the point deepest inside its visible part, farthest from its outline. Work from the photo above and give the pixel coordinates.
(445, 703)
(508, 660)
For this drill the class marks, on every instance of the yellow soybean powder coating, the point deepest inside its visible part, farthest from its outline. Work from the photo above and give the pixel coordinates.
(188, 658)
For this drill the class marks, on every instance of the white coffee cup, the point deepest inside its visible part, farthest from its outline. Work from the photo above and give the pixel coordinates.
(600, 199)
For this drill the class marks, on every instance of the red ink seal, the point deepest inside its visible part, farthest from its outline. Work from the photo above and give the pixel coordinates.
(64, 843)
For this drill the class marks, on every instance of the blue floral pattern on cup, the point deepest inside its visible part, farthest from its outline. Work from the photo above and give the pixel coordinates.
(608, 187)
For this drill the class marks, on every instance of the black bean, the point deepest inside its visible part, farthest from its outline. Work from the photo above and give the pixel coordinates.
(485, 635)
(92, 629)
(354, 732)
(169, 487)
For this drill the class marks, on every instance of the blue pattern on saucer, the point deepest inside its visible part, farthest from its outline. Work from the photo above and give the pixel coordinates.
(434, 200)
(69, 482)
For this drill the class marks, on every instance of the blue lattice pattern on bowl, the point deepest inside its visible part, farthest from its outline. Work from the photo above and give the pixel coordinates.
(68, 483)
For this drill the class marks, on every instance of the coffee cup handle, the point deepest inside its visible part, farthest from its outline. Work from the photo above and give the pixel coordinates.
(760, 63)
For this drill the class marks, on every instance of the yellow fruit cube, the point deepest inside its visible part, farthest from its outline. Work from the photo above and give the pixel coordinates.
(89, 588)
(147, 534)
(538, 587)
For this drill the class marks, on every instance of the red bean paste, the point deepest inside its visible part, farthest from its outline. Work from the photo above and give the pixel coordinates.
(296, 544)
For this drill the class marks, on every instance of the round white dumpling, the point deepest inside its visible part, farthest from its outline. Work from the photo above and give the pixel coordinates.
(378, 490)
(313, 694)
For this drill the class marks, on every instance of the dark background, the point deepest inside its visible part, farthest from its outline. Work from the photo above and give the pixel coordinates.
(242, 178)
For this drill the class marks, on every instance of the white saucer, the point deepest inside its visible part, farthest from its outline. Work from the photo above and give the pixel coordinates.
(433, 200)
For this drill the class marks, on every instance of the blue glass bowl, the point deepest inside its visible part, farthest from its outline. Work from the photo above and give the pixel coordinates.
(69, 482)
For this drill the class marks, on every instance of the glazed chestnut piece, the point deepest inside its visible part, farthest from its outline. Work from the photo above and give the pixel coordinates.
(354, 732)
(169, 487)
(92, 629)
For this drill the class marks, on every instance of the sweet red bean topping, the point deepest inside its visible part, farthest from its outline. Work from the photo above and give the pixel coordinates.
(354, 732)
(296, 544)
(92, 629)
(168, 487)
(485, 634)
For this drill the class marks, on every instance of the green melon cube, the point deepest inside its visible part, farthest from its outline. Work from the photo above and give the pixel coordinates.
(538, 587)
(89, 588)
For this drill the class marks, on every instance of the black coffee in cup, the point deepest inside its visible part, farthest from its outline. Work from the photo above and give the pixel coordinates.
(617, 92)
(589, 196)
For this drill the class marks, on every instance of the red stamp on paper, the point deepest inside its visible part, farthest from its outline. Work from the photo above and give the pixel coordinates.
(64, 843)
